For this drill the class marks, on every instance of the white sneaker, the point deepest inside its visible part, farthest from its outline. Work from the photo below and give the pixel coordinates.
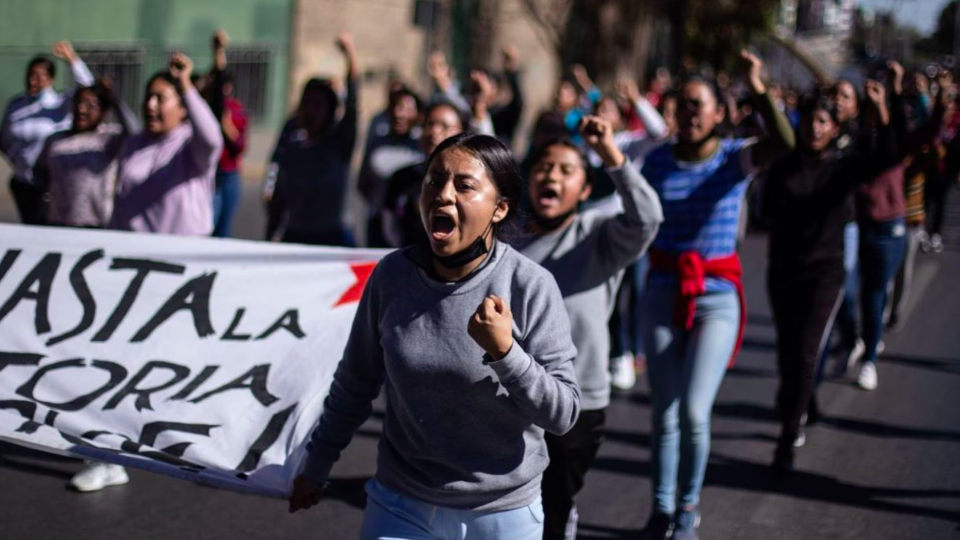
(867, 379)
(845, 364)
(801, 436)
(936, 243)
(881, 347)
(96, 476)
(623, 373)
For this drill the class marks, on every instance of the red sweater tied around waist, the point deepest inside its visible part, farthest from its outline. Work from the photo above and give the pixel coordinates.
(691, 271)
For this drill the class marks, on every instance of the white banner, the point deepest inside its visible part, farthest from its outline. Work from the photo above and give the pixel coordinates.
(199, 358)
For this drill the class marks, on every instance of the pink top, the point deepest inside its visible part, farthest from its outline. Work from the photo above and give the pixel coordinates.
(165, 184)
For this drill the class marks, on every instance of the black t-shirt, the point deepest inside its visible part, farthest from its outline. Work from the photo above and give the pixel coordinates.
(806, 202)
(403, 201)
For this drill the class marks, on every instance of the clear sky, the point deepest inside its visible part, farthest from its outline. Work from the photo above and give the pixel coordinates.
(922, 14)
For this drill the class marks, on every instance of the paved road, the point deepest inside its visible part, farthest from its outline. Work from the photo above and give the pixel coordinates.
(882, 465)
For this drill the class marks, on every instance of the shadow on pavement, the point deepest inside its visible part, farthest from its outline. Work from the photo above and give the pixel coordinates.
(22, 459)
(599, 532)
(749, 411)
(643, 439)
(728, 472)
(751, 373)
(941, 365)
(740, 474)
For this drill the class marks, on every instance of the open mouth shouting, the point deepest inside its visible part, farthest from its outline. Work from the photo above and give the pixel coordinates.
(548, 195)
(442, 226)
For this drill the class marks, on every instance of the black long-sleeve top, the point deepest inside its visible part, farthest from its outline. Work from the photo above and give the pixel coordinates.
(506, 118)
(807, 199)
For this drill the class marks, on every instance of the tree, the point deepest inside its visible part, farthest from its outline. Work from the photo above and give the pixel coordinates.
(942, 39)
(610, 36)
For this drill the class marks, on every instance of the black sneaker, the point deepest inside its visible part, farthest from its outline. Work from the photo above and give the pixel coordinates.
(660, 527)
(783, 460)
(688, 521)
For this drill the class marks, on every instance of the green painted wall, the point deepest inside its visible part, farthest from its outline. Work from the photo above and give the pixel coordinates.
(29, 27)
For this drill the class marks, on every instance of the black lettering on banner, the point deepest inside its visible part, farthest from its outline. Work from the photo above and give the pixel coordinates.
(143, 394)
(9, 258)
(266, 439)
(193, 296)
(289, 321)
(201, 378)
(117, 374)
(19, 359)
(80, 288)
(257, 386)
(42, 275)
(171, 455)
(27, 409)
(229, 335)
(143, 268)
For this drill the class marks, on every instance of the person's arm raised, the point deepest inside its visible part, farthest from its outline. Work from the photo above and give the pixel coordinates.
(207, 140)
(81, 73)
(624, 237)
(780, 139)
(346, 131)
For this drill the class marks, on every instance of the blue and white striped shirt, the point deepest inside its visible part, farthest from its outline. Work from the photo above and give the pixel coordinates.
(701, 202)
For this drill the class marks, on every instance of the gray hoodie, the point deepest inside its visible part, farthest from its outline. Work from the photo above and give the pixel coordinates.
(588, 258)
(460, 431)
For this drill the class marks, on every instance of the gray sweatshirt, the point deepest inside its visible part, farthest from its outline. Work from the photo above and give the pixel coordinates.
(587, 258)
(460, 431)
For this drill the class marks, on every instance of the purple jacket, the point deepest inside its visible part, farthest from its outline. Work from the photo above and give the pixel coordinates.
(165, 184)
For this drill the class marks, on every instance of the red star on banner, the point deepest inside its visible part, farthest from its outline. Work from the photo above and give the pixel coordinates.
(362, 272)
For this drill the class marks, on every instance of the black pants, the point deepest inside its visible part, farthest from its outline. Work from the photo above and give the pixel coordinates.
(30, 203)
(935, 197)
(803, 310)
(570, 458)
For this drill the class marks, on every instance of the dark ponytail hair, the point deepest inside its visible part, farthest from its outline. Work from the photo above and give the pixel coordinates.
(819, 101)
(167, 77)
(499, 163)
(45, 62)
(99, 90)
(711, 85)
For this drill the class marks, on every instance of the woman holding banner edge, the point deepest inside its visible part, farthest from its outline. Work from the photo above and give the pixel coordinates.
(472, 343)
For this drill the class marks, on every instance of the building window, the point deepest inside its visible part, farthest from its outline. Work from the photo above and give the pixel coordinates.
(250, 69)
(124, 66)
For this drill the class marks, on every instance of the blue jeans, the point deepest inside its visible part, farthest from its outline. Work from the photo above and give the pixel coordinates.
(226, 198)
(685, 369)
(392, 516)
(882, 246)
(631, 330)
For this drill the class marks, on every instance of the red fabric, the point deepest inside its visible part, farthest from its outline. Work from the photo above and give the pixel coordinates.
(692, 271)
(230, 159)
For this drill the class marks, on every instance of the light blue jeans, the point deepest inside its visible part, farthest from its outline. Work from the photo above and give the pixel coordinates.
(685, 369)
(392, 516)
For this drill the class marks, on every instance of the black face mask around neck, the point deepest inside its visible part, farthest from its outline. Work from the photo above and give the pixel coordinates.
(465, 256)
(468, 254)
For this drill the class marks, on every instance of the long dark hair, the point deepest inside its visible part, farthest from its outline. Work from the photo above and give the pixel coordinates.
(167, 77)
(499, 163)
(566, 142)
(46, 62)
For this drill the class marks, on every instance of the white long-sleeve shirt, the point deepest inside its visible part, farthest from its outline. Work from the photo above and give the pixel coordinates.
(28, 121)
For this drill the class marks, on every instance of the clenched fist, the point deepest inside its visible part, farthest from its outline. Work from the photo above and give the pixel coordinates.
(492, 327)
(305, 494)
